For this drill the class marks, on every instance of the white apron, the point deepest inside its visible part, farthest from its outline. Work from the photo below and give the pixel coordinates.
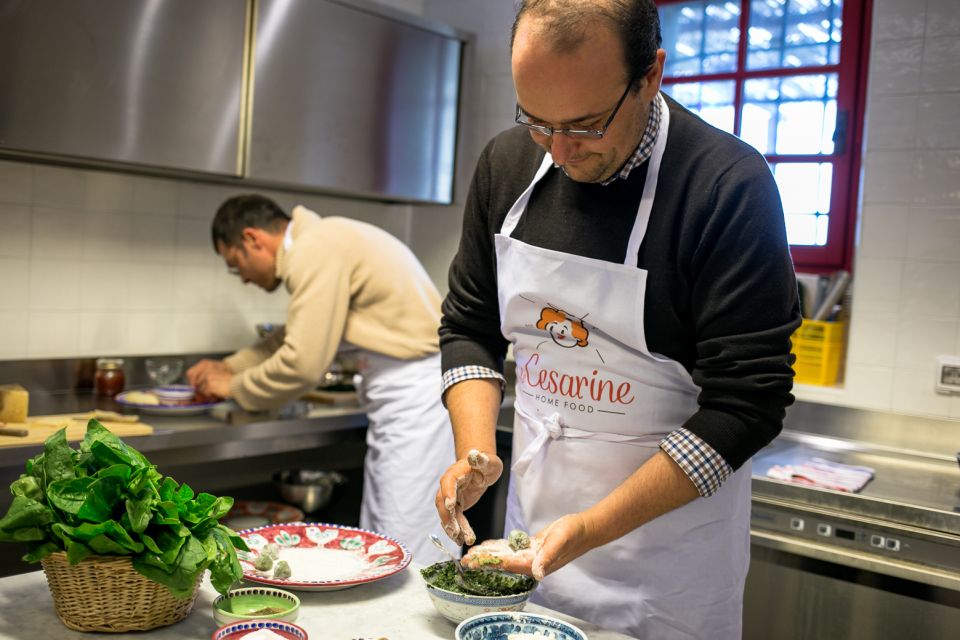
(592, 404)
(409, 446)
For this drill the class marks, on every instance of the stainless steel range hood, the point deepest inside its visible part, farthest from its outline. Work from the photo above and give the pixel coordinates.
(338, 97)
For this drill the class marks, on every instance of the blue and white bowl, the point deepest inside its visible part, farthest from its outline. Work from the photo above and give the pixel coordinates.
(501, 626)
(174, 393)
(457, 606)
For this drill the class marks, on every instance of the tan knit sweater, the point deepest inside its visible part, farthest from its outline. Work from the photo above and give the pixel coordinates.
(348, 281)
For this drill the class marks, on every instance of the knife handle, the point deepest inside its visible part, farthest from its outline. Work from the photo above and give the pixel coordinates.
(13, 431)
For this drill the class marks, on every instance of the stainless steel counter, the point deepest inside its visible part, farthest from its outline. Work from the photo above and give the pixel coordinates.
(880, 563)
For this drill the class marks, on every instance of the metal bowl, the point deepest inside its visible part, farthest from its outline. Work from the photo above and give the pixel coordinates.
(308, 489)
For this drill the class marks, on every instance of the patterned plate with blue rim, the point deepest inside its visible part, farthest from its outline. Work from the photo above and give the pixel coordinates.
(321, 557)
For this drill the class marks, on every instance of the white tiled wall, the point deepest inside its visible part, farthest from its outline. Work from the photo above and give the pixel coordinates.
(906, 302)
(100, 263)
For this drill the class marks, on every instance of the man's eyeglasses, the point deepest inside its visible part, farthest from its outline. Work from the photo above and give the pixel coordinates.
(592, 134)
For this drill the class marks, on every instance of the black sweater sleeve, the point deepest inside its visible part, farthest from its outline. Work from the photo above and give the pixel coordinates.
(744, 308)
(470, 326)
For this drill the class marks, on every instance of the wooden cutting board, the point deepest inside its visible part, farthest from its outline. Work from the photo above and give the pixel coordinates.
(41, 427)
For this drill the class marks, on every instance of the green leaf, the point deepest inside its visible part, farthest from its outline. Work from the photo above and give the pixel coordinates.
(36, 553)
(77, 551)
(184, 494)
(28, 487)
(104, 495)
(58, 458)
(182, 574)
(150, 544)
(139, 513)
(104, 538)
(24, 512)
(166, 513)
(69, 494)
(168, 490)
(225, 569)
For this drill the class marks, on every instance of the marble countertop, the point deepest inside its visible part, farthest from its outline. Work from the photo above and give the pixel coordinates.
(395, 608)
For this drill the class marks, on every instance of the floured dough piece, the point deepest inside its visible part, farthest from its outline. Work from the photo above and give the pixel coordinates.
(141, 397)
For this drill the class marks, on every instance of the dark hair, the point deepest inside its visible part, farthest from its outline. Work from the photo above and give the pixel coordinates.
(565, 23)
(239, 212)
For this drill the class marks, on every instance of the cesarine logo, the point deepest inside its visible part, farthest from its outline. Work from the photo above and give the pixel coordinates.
(573, 388)
(565, 331)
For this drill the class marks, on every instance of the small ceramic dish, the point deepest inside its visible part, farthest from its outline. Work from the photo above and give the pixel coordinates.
(456, 607)
(251, 630)
(256, 603)
(502, 626)
(175, 393)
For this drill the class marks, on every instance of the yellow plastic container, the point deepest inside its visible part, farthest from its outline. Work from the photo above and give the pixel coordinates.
(819, 349)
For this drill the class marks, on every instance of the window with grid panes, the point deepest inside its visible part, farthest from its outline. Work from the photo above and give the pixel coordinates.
(786, 76)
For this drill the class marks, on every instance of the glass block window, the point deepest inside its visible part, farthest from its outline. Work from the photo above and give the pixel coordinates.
(786, 76)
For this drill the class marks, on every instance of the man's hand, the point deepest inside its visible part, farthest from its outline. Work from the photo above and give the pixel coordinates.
(199, 371)
(211, 378)
(461, 486)
(563, 540)
(215, 384)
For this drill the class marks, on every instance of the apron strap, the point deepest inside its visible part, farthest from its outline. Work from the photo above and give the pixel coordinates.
(513, 216)
(649, 186)
(552, 428)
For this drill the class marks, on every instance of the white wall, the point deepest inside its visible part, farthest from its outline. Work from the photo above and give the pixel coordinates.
(906, 299)
(99, 263)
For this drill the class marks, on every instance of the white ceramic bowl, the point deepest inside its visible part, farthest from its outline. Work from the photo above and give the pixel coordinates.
(500, 626)
(458, 606)
(247, 604)
(174, 393)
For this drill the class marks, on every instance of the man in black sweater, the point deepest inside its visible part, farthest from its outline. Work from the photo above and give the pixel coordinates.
(636, 259)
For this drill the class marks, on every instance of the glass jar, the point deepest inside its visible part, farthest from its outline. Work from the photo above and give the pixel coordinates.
(109, 379)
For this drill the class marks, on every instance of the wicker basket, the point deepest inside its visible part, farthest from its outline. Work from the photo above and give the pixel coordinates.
(105, 593)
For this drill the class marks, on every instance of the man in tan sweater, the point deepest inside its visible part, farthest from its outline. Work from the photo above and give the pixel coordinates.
(352, 286)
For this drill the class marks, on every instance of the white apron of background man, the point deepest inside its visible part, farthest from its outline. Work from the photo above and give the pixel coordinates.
(409, 446)
(592, 405)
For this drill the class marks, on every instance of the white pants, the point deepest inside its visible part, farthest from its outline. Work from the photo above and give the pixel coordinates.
(409, 446)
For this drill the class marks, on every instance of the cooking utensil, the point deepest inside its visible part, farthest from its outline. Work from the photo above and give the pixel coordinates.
(310, 490)
(833, 295)
(463, 579)
(13, 431)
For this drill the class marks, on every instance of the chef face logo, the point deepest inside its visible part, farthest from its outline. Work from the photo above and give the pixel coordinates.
(566, 331)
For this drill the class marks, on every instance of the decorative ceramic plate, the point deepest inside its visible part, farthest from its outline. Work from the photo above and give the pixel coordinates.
(163, 409)
(323, 557)
(246, 514)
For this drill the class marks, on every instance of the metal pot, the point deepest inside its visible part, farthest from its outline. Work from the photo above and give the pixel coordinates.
(308, 489)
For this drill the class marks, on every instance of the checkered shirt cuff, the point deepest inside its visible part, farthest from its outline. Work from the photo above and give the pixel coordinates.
(470, 372)
(703, 465)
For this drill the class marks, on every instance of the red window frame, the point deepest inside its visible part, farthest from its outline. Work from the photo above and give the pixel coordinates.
(851, 71)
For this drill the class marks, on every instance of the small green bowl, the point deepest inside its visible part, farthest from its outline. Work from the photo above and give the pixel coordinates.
(256, 603)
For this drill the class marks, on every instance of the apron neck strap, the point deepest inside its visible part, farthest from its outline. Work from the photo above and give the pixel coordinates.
(649, 187)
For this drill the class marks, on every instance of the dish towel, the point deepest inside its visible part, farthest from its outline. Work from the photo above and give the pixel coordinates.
(823, 473)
